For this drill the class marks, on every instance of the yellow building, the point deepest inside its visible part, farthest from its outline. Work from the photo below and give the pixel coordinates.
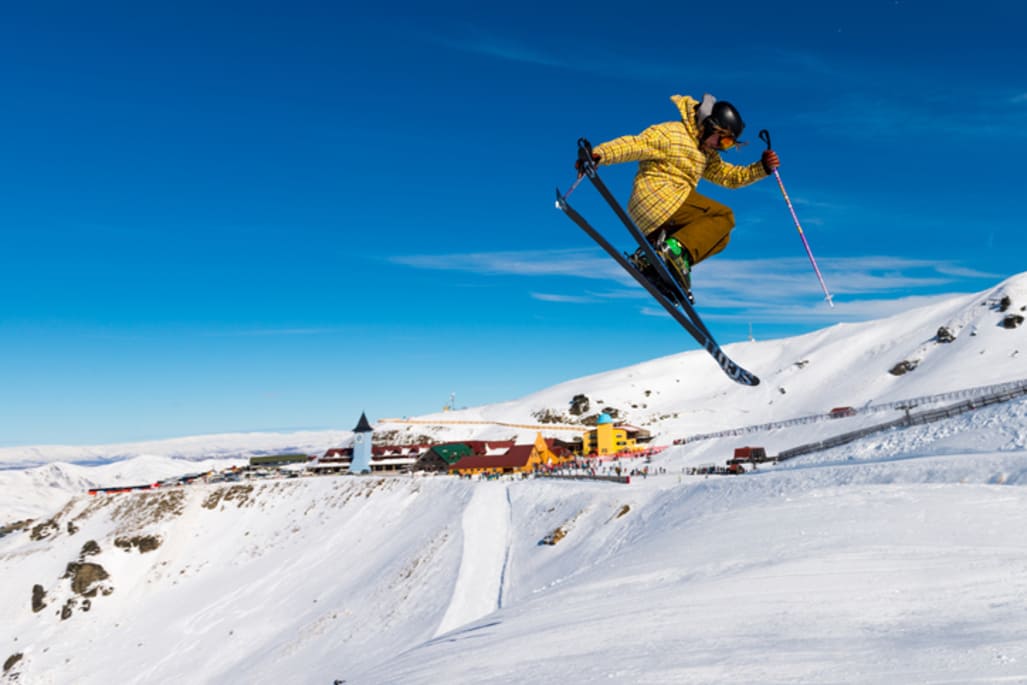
(607, 439)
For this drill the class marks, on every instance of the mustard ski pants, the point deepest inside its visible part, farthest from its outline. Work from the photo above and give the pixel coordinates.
(702, 225)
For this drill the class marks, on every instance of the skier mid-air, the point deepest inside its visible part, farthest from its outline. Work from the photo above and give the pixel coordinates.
(684, 226)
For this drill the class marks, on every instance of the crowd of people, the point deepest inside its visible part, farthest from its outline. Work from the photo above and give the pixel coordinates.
(594, 467)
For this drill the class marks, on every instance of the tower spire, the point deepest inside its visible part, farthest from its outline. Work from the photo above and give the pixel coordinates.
(363, 426)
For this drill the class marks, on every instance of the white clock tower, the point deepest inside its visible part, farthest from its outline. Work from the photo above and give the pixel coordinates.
(361, 446)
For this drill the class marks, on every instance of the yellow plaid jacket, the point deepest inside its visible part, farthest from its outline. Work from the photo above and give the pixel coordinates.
(670, 165)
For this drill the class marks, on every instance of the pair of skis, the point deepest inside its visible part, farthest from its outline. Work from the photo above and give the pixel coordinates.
(684, 313)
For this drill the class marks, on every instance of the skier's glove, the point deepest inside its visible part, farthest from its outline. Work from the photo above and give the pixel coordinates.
(579, 165)
(770, 161)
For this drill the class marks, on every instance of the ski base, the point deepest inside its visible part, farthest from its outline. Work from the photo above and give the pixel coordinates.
(683, 313)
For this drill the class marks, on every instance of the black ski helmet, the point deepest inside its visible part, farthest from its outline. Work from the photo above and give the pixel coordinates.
(723, 116)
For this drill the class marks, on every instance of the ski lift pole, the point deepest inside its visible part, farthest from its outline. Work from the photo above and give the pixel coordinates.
(765, 137)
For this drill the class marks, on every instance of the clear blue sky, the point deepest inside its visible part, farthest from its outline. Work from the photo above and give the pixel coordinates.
(276, 215)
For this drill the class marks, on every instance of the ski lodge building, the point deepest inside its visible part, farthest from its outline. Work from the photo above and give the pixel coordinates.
(610, 440)
(514, 459)
(384, 459)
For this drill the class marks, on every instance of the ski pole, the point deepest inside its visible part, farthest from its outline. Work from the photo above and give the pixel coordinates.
(568, 193)
(588, 167)
(765, 137)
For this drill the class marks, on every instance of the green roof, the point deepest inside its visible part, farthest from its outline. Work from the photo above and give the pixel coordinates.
(278, 459)
(453, 452)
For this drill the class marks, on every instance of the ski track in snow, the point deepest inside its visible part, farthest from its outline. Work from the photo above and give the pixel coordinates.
(509, 546)
(478, 590)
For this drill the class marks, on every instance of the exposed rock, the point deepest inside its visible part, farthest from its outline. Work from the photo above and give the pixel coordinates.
(554, 537)
(90, 549)
(14, 527)
(38, 595)
(150, 507)
(944, 335)
(67, 609)
(904, 367)
(1004, 303)
(83, 576)
(580, 405)
(419, 439)
(240, 494)
(11, 661)
(387, 437)
(1012, 321)
(43, 530)
(72, 528)
(549, 416)
(144, 543)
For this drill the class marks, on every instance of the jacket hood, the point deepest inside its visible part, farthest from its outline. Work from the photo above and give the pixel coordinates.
(686, 104)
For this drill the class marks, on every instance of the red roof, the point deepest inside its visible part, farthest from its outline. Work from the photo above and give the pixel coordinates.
(339, 453)
(516, 457)
(483, 447)
(399, 450)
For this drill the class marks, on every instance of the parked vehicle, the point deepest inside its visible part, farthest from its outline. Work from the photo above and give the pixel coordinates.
(753, 455)
(841, 412)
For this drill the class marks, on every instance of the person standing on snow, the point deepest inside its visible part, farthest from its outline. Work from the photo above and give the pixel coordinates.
(684, 226)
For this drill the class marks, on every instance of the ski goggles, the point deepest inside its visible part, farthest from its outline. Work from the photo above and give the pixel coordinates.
(726, 139)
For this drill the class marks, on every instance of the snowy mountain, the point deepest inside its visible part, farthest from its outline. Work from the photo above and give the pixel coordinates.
(194, 448)
(895, 558)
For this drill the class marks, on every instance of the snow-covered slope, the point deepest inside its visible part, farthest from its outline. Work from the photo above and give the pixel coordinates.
(898, 568)
(42, 490)
(852, 574)
(897, 558)
(844, 365)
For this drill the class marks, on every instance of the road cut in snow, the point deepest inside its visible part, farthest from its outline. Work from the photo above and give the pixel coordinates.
(486, 542)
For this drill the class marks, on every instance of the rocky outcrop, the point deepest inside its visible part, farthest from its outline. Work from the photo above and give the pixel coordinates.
(90, 549)
(43, 530)
(144, 543)
(554, 537)
(38, 595)
(549, 416)
(1012, 321)
(240, 494)
(86, 578)
(150, 507)
(580, 405)
(904, 367)
(14, 527)
(11, 661)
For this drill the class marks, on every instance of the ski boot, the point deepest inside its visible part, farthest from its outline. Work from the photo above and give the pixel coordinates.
(678, 264)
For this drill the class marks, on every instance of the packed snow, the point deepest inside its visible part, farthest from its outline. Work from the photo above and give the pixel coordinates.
(897, 558)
